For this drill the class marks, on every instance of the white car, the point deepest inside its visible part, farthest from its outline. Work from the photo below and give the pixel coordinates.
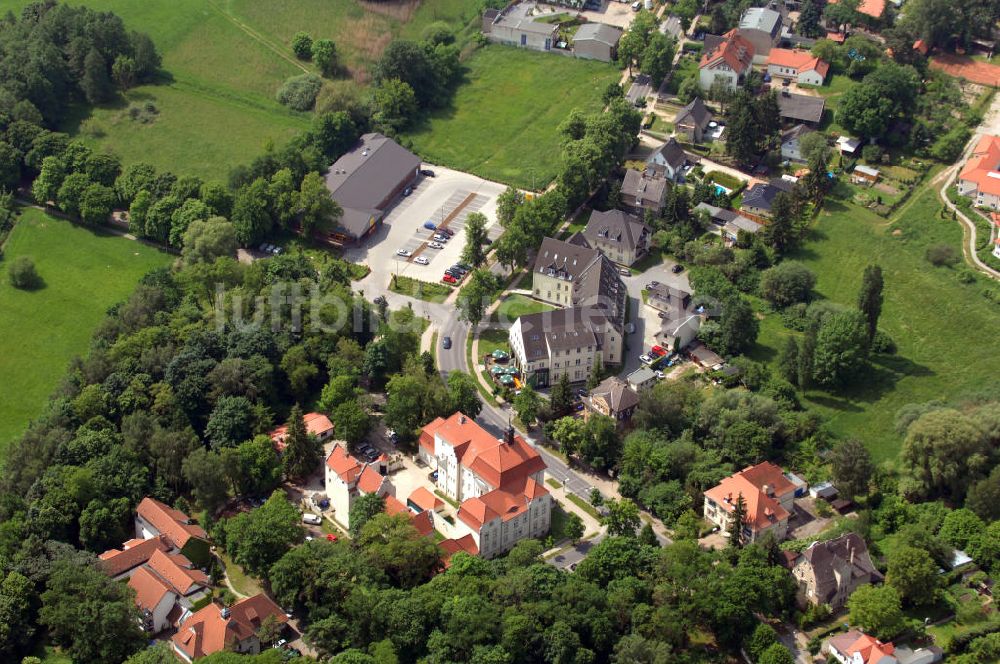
(660, 375)
(436, 245)
(404, 253)
(645, 359)
(420, 260)
(440, 238)
(312, 519)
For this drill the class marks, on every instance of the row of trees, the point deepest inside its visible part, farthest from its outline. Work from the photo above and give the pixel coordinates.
(645, 47)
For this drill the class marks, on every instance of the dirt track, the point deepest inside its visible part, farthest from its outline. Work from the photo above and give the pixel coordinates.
(965, 67)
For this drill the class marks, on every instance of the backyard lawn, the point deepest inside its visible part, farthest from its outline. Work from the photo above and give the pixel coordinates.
(502, 123)
(422, 290)
(927, 311)
(515, 306)
(84, 273)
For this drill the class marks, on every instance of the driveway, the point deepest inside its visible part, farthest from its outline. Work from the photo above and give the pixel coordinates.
(611, 13)
(647, 323)
(450, 196)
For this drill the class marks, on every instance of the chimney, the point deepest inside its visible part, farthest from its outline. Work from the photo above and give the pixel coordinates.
(461, 419)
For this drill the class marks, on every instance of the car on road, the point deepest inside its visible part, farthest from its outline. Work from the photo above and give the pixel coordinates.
(421, 260)
(625, 272)
(426, 172)
(429, 225)
(448, 279)
(645, 359)
(677, 269)
(309, 538)
(446, 343)
(312, 519)
(408, 191)
(629, 328)
(404, 253)
(435, 245)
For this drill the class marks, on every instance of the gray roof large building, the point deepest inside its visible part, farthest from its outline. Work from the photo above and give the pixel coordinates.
(616, 227)
(800, 108)
(548, 332)
(599, 32)
(367, 179)
(593, 277)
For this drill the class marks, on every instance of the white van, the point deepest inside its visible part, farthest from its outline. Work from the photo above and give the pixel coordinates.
(312, 519)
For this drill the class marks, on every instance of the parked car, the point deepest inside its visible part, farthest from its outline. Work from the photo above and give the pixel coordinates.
(440, 238)
(446, 231)
(309, 538)
(426, 172)
(453, 273)
(311, 519)
(448, 279)
(625, 272)
(404, 253)
(465, 266)
(652, 284)
(408, 191)
(660, 375)
(436, 245)
(263, 246)
(645, 359)
(629, 328)
(659, 350)
(420, 260)
(446, 343)
(677, 268)
(429, 225)
(636, 6)
(458, 268)
(657, 353)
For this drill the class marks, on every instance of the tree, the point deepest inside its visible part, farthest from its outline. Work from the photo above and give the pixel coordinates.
(22, 273)
(913, 573)
(477, 295)
(71, 193)
(622, 518)
(352, 422)
(945, 452)
(658, 57)
(302, 454)
(102, 523)
(18, 601)
(596, 498)
(319, 212)
(596, 374)
(206, 240)
(10, 170)
(324, 55)
(507, 203)
(864, 111)
(569, 432)
(852, 467)
(299, 92)
(841, 348)
(648, 536)
(254, 467)
(573, 528)
(776, 654)
(231, 422)
(393, 547)
(464, 394)
(787, 283)
(475, 238)
(302, 45)
(205, 472)
(257, 539)
(394, 103)
(124, 72)
(962, 529)
(93, 617)
(737, 328)
(764, 636)
(561, 396)
(984, 496)
(250, 215)
(742, 134)
(363, 510)
(737, 520)
(870, 298)
(788, 361)
(877, 610)
(96, 84)
(809, 19)
(337, 391)
(527, 404)
(782, 230)
(46, 186)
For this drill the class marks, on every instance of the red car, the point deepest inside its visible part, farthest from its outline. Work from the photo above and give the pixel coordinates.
(448, 279)
(656, 351)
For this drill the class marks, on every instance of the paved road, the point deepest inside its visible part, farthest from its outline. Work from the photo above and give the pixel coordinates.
(569, 559)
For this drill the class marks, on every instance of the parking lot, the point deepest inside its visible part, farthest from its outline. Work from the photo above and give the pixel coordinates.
(446, 199)
(647, 323)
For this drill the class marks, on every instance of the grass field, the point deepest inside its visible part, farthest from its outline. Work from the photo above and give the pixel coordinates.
(422, 290)
(940, 325)
(40, 331)
(501, 124)
(515, 306)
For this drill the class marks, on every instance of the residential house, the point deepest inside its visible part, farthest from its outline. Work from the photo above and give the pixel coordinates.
(180, 574)
(153, 518)
(422, 521)
(614, 398)
(464, 544)
(980, 179)
(134, 553)
(704, 356)
(794, 108)
(728, 61)
(317, 424)
(620, 236)
(827, 572)
(691, 121)
(155, 598)
(498, 482)
(671, 158)
(797, 65)
(855, 647)
(848, 146)
(347, 479)
(422, 500)
(365, 181)
(762, 28)
(233, 629)
(515, 26)
(727, 223)
(548, 344)
(641, 379)
(873, 9)
(679, 322)
(791, 149)
(767, 494)
(758, 199)
(864, 175)
(570, 274)
(596, 41)
(646, 190)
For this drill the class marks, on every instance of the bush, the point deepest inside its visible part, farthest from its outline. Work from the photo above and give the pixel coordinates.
(299, 92)
(438, 33)
(22, 273)
(787, 283)
(302, 45)
(883, 344)
(942, 254)
(871, 153)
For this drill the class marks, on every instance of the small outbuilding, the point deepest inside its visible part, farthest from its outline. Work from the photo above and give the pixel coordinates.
(596, 41)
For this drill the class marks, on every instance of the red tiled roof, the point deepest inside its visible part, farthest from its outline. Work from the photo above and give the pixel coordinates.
(921, 47)
(207, 631)
(734, 50)
(317, 424)
(370, 481)
(133, 553)
(762, 509)
(496, 461)
(170, 522)
(453, 546)
(175, 570)
(343, 464)
(981, 168)
(873, 8)
(149, 589)
(425, 500)
(800, 61)
(871, 649)
(500, 503)
(394, 507)
(422, 521)
(837, 37)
